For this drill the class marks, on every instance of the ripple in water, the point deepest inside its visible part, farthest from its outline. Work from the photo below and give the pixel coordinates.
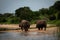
(26, 36)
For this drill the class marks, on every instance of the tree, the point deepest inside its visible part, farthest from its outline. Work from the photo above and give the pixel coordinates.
(35, 15)
(52, 10)
(1, 15)
(58, 15)
(23, 13)
(13, 20)
(2, 18)
(7, 15)
(57, 5)
(52, 17)
(26, 13)
(43, 11)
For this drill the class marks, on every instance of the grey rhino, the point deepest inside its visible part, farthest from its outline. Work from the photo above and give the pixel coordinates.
(25, 25)
(40, 24)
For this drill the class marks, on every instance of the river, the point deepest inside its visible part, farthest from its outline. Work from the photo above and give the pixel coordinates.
(8, 35)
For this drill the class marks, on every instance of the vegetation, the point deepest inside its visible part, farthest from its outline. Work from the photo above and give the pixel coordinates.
(52, 14)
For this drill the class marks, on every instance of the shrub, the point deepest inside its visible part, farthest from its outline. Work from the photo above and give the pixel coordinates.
(58, 23)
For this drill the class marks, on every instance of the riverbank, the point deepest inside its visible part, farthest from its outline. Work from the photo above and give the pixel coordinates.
(15, 28)
(32, 34)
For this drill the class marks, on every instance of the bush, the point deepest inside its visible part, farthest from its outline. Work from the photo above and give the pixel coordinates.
(52, 22)
(58, 23)
(33, 21)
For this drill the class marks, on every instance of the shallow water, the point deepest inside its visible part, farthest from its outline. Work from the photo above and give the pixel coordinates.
(27, 36)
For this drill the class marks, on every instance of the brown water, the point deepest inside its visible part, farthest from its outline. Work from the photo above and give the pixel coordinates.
(27, 36)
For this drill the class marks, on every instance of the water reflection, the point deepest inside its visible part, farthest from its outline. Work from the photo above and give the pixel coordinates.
(8, 35)
(2, 32)
(26, 36)
(58, 33)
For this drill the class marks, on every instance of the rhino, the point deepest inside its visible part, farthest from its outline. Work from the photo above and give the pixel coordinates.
(25, 25)
(40, 24)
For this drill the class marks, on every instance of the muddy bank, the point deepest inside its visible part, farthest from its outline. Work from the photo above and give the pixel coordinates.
(15, 26)
(51, 30)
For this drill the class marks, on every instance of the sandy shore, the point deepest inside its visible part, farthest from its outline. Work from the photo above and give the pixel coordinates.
(49, 30)
(14, 26)
(33, 26)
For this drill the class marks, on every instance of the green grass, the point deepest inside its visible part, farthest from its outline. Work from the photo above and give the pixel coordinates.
(56, 22)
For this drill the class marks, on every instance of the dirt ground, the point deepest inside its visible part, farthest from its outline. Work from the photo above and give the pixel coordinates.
(14, 26)
(49, 30)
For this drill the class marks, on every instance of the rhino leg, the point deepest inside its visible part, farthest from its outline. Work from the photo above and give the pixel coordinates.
(41, 28)
(22, 28)
(45, 27)
(26, 29)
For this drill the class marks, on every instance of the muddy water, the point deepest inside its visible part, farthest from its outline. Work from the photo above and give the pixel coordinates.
(27, 36)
